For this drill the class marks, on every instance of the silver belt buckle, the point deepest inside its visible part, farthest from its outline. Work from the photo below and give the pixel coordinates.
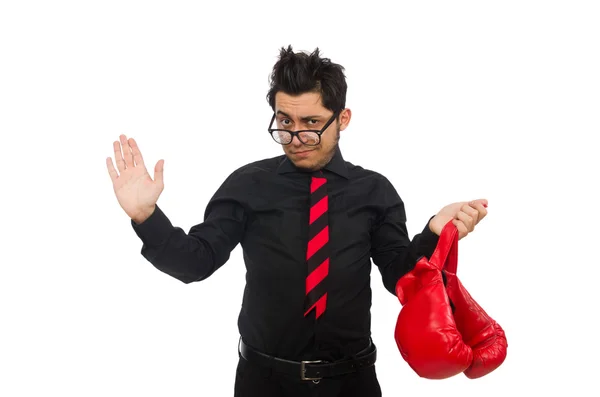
(303, 370)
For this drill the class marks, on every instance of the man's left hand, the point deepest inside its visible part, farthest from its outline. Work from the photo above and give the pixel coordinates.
(464, 215)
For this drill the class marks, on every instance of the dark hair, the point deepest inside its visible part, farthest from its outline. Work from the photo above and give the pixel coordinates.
(298, 73)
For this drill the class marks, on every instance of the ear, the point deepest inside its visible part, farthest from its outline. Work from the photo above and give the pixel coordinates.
(345, 116)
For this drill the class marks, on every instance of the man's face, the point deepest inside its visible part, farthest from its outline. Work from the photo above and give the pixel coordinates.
(306, 112)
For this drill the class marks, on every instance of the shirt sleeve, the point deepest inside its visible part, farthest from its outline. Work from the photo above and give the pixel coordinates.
(392, 250)
(206, 247)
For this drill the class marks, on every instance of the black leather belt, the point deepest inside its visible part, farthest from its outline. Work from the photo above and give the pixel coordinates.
(310, 370)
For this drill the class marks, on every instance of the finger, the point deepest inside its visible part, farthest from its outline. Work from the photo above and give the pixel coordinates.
(111, 170)
(483, 202)
(119, 156)
(158, 172)
(137, 154)
(460, 226)
(127, 155)
(472, 212)
(480, 209)
(466, 219)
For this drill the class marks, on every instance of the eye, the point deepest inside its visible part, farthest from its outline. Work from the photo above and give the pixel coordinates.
(285, 121)
(313, 121)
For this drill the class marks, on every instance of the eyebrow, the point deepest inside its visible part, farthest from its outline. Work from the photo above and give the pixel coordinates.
(305, 118)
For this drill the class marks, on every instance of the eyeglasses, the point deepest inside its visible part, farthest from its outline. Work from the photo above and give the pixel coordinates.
(307, 137)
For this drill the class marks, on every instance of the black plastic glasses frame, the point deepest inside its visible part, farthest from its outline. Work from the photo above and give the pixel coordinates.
(295, 133)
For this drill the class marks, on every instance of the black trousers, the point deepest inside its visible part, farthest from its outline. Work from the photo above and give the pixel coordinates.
(254, 381)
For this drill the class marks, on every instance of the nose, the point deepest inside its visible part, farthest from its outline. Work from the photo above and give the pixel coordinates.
(296, 142)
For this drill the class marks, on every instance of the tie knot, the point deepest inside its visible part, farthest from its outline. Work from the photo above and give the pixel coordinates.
(317, 181)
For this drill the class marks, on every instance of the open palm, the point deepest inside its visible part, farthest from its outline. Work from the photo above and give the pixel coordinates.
(137, 193)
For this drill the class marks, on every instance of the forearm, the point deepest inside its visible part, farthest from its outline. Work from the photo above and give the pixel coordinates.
(422, 244)
(186, 257)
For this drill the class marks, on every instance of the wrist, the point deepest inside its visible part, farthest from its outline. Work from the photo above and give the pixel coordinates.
(437, 223)
(143, 215)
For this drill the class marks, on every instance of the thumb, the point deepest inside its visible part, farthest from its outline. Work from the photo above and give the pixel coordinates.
(158, 172)
(483, 202)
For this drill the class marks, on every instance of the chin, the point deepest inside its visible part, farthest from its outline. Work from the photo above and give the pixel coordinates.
(304, 164)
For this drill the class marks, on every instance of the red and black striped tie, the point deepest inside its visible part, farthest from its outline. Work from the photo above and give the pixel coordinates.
(317, 255)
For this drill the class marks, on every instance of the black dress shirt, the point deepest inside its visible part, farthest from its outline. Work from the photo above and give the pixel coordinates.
(264, 206)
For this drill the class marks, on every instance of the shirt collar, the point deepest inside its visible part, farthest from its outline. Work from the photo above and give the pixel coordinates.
(336, 165)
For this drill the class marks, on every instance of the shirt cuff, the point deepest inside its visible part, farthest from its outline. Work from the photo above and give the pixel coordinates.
(155, 230)
(428, 241)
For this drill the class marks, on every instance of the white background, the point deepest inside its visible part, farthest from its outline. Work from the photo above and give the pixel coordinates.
(451, 101)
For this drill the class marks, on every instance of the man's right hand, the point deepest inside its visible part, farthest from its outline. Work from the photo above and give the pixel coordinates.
(136, 192)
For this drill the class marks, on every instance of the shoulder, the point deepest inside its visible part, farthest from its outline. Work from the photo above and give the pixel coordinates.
(374, 184)
(247, 171)
(360, 173)
(243, 180)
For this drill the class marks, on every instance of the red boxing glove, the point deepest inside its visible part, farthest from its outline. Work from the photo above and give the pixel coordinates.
(426, 333)
(478, 329)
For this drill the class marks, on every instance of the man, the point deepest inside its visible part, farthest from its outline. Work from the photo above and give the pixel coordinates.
(309, 224)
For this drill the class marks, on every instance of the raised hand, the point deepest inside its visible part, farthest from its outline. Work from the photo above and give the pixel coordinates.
(136, 192)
